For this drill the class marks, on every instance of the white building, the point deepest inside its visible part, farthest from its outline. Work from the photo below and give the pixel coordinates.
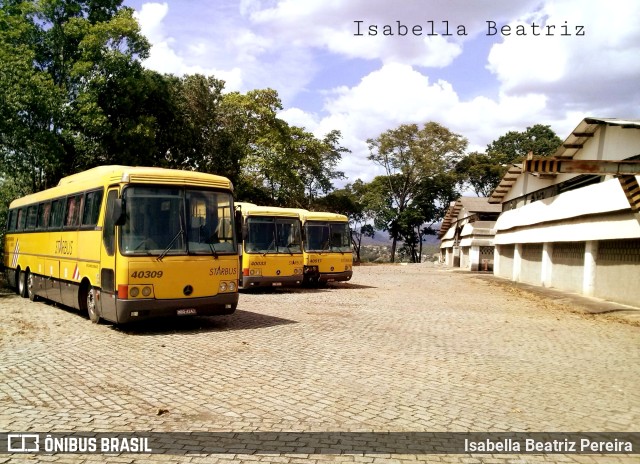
(467, 232)
(574, 232)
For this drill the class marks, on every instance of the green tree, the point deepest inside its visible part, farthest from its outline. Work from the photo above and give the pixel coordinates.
(282, 164)
(30, 101)
(410, 156)
(427, 209)
(483, 171)
(61, 61)
(514, 146)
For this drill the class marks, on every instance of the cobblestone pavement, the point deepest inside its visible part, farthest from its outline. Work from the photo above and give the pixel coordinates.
(399, 348)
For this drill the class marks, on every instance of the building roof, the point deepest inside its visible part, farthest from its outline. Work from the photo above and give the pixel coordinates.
(471, 205)
(585, 130)
(574, 143)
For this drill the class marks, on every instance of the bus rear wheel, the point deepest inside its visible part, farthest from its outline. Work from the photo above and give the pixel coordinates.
(22, 284)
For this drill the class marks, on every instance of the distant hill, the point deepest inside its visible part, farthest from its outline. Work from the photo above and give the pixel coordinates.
(381, 238)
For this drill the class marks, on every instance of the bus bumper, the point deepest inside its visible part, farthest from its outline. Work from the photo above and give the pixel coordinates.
(137, 310)
(335, 276)
(271, 281)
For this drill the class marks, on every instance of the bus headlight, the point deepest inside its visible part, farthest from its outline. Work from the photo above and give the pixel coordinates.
(146, 291)
(232, 286)
(134, 292)
(255, 272)
(223, 286)
(297, 271)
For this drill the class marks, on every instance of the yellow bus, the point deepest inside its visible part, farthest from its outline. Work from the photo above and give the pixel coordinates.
(127, 243)
(327, 247)
(271, 246)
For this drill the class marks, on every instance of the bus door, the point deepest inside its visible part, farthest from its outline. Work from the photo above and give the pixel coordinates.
(107, 299)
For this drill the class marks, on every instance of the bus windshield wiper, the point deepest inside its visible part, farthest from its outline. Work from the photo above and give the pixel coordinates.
(166, 250)
(213, 250)
(180, 233)
(273, 242)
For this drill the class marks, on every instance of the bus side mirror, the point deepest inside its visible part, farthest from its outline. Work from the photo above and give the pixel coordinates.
(118, 215)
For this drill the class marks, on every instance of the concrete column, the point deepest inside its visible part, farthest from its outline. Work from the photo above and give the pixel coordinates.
(496, 260)
(517, 262)
(547, 264)
(474, 258)
(589, 276)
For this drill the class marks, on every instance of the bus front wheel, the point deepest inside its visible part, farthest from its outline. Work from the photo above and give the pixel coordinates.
(88, 301)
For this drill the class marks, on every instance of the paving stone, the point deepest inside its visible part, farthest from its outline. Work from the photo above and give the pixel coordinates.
(399, 348)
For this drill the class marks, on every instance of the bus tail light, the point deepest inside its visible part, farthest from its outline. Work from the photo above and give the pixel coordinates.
(123, 292)
(245, 271)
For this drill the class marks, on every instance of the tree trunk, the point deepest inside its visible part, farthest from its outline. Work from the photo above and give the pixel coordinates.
(393, 249)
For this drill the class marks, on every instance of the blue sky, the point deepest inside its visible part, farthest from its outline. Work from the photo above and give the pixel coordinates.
(582, 62)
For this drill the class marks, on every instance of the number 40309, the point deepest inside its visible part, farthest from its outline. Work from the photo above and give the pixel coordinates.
(146, 274)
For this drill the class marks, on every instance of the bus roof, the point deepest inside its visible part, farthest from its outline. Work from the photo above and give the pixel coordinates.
(250, 209)
(112, 174)
(142, 174)
(324, 216)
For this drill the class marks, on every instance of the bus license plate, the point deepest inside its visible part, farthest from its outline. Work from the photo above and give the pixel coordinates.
(276, 284)
(187, 312)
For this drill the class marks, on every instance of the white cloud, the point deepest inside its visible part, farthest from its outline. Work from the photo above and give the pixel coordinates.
(397, 94)
(590, 71)
(343, 27)
(150, 18)
(163, 56)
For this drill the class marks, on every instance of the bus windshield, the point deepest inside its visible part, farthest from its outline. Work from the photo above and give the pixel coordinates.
(169, 220)
(327, 236)
(273, 235)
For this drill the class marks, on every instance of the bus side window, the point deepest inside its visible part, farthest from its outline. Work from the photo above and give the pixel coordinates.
(22, 218)
(44, 210)
(74, 207)
(32, 217)
(57, 212)
(92, 204)
(12, 221)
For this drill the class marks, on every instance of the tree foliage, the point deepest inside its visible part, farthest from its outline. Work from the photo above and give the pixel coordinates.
(75, 95)
(483, 171)
(414, 159)
(539, 139)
